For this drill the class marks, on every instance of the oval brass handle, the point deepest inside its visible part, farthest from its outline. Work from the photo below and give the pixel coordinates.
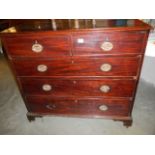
(51, 106)
(47, 87)
(106, 46)
(36, 47)
(103, 107)
(106, 67)
(42, 68)
(105, 88)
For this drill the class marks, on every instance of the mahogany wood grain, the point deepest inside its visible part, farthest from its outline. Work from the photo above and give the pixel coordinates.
(53, 46)
(50, 105)
(81, 87)
(123, 42)
(73, 56)
(120, 66)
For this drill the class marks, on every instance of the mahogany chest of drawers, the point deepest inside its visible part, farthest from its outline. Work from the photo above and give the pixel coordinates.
(82, 68)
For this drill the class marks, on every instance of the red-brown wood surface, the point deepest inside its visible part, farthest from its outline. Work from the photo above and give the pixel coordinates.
(50, 105)
(123, 42)
(74, 57)
(120, 66)
(53, 45)
(118, 88)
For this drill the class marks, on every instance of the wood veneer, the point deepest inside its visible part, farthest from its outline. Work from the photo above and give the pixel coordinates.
(73, 52)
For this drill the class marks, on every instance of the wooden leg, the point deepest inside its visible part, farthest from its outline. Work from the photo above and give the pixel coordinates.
(127, 123)
(31, 118)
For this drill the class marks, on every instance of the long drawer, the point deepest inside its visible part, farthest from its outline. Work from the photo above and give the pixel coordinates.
(82, 87)
(106, 66)
(93, 43)
(91, 106)
(35, 46)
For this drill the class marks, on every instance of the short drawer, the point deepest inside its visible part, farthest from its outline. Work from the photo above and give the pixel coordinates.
(108, 43)
(82, 87)
(38, 45)
(69, 106)
(110, 66)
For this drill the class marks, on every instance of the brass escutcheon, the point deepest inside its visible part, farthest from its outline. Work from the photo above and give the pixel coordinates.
(36, 47)
(103, 107)
(106, 67)
(106, 46)
(42, 68)
(105, 88)
(47, 87)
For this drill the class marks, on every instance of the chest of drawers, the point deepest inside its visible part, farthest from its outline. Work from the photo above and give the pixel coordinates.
(78, 68)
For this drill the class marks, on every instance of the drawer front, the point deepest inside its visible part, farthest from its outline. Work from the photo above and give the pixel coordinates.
(96, 107)
(37, 46)
(114, 66)
(104, 87)
(108, 43)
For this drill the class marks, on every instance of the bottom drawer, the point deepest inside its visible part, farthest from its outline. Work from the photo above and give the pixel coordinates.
(84, 107)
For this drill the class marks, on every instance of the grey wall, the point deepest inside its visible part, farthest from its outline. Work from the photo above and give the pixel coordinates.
(148, 70)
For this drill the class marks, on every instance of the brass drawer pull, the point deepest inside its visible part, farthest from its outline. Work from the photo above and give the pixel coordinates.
(47, 87)
(106, 67)
(103, 107)
(36, 47)
(106, 46)
(51, 106)
(42, 68)
(105, 88)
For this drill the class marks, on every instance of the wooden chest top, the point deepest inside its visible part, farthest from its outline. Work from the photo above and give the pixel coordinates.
(74, 25)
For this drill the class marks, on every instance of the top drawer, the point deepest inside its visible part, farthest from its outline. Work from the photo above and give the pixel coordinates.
(37, 45)
(108, 42)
